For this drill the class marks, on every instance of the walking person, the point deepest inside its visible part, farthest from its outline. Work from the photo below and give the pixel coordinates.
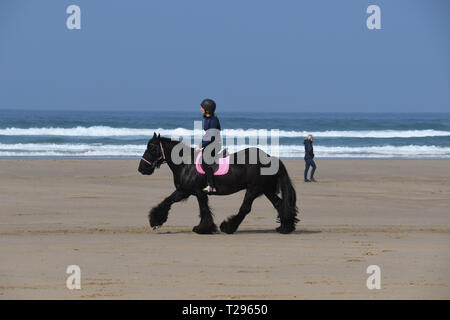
(309, 159)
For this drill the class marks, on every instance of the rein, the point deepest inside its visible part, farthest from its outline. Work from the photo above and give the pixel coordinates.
(154, 163)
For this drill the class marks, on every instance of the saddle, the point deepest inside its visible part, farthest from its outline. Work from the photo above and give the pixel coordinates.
(219, 169)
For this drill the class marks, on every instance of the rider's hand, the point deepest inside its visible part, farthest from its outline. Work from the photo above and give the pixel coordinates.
(197, 148)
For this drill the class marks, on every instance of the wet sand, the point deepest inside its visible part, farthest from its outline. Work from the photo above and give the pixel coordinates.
(93, 213)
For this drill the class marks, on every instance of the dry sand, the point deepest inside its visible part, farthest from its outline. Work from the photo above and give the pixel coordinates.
(93, 213)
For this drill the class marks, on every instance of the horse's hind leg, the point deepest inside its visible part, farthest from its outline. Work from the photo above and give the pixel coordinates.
(232, 223)
(158, 215)
(206, 225)
(275, 200)
(285, 226)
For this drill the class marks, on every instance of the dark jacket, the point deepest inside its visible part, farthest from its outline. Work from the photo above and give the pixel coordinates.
(309, 152)
(211, 122)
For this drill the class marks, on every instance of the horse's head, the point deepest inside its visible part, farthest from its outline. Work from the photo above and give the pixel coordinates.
(153, 156)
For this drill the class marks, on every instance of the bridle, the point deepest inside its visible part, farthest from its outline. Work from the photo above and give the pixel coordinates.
(155, 162)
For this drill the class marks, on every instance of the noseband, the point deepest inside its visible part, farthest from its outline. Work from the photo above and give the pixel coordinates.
(154, 163)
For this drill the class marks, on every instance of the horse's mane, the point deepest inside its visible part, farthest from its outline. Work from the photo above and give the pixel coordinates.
(167, 139)
(173, 142)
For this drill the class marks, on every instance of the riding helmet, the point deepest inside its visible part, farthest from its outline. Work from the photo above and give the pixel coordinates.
(209, 106)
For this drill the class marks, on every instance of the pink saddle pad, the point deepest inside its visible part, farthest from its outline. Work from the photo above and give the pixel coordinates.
(224, 165)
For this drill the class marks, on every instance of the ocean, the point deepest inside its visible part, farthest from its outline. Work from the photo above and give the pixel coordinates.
(81, 134)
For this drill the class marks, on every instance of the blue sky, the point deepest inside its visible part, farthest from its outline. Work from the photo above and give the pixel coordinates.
(251, 55)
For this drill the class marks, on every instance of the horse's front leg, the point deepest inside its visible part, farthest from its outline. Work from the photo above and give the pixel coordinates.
(158, 215)
(206, 225)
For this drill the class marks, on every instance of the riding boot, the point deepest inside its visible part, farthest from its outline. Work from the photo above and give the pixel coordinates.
(209, 171)
(209, 178)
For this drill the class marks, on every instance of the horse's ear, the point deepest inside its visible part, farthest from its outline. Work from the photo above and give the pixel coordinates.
(159, 136)
(154, 134)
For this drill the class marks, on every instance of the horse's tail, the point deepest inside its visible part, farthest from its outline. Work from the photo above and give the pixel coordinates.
(288, 208)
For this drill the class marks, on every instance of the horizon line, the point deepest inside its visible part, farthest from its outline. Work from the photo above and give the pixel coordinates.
(226, 111)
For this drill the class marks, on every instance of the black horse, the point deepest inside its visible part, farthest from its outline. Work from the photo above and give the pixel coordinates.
(242, 174)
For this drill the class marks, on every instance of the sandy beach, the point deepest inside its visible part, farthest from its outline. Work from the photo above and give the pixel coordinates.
(93, 213)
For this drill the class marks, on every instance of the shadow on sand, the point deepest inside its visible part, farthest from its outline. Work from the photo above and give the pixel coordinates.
(274, 231)
(257, 231)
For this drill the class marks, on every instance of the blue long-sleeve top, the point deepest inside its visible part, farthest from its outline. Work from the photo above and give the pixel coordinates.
(211, 122)
(309, 151)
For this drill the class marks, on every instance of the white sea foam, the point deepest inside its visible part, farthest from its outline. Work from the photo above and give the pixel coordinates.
(285, 151)
(105, 131)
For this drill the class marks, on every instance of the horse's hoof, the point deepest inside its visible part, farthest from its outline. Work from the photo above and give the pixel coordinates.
(285, 229)
(202, 230)
(157, 217)
(225, 227)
